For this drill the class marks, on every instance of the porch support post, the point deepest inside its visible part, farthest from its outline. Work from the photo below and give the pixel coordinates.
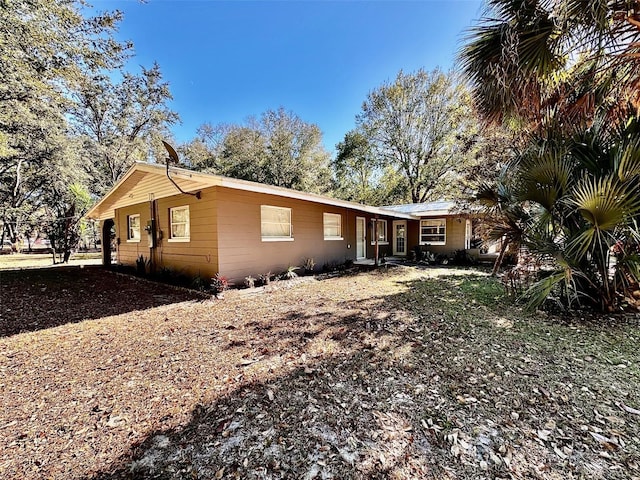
(375, 232)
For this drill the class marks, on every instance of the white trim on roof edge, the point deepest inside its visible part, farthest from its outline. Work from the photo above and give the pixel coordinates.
(211, 180)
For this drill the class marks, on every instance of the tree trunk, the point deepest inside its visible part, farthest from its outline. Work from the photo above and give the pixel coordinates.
(496, 266)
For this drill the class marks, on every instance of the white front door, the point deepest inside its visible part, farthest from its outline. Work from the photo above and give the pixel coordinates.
(361, 237)
(467, 234)
(399, 237)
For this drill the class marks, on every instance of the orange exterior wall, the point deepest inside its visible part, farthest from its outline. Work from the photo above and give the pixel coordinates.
(198, 257)
(242, 251)
(225, 235)
(454, 236)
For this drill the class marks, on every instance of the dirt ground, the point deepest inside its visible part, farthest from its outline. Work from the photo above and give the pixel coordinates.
(400, 374)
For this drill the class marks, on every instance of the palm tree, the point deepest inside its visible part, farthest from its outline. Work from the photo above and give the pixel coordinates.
(574, 202)
(568, 74)
(505, 218)
(532, 59)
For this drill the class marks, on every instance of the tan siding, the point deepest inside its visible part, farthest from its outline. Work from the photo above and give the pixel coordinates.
(225, 235)
(137, 188)
(413, 235)
(242, 251)
(455, 233)
(455, 236)
(198, 256)
(129, 252)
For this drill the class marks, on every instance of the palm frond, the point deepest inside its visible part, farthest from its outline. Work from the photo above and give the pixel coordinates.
(536, 295)
(605, 202)
(545, 177)
(627, 156)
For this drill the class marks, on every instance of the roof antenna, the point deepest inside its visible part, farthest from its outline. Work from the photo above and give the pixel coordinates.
(173, 158)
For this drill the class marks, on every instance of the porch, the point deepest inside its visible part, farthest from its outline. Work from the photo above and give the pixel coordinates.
(370, 262)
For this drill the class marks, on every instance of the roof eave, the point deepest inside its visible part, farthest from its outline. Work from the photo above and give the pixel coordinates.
(217, 180)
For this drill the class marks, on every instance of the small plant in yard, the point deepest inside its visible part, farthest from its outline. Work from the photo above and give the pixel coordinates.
(462, 257)
(219, 283)
(165, 274)
(199, 283)
(265, 278)
(249, 281)
(290, 273)
(308, 265)
(429, 258)
(141, 265)
(329, 267)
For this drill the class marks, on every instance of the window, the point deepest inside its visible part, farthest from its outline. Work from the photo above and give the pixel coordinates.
(433, 232)
(133, 228)
(332, 226)
(275, 223)
(179, 218)
(380, 231)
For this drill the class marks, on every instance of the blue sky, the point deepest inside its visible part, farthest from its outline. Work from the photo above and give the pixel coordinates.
(228, 60)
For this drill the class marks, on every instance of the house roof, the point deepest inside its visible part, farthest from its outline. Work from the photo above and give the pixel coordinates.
(428, 209)
(145, 179)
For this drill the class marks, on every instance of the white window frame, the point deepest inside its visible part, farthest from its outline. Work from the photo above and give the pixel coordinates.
(172, 237)
(374, 232)
(434, 222)
(331, 218)
(131, 237)
(274, 238)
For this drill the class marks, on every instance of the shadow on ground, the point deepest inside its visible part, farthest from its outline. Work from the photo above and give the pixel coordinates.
(36, 299)
(420, 384)
(350, 412)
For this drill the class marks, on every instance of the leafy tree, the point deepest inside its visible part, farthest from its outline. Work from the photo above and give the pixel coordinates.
(244, 154)
(120, 123)
(503, 217)
(204, 151)
(64, 218)
(356, 170)
(495, 146)
(46, 48)
(586, 188)
(278, 149)
(360, 177)
(294, 150)
(422, 125)
(488, 181)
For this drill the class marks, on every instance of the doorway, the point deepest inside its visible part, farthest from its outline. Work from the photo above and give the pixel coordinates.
(468, 233)
(108, 235)
(361, 238)
(400, 237)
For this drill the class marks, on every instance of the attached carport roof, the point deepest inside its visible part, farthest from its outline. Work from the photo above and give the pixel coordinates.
(427, 209)
(145, 179)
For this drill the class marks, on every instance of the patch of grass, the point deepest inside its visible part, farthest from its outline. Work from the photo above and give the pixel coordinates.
(45, 260)
(484, 290)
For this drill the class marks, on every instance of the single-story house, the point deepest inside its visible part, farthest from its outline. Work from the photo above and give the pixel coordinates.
(441, 228)
(200, 224)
